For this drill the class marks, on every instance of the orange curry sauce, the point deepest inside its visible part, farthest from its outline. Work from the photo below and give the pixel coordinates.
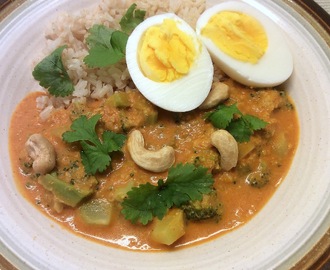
(189, 134)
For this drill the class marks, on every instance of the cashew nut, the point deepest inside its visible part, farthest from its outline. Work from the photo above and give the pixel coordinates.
(227, 147)
(218, 94)
(42, 152)
(155, 161)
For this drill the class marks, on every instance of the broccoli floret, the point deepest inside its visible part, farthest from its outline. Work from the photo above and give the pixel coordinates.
(260, 177)
(208, 207)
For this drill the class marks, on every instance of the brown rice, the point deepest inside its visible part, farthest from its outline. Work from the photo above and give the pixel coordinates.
(72, 29)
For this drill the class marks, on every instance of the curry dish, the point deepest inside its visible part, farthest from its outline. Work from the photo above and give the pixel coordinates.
(262, 163)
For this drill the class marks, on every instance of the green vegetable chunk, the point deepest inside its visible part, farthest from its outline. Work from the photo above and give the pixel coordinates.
(185, 182)
(131, 19)
(260, 177)
(95, 153)
(208, 207)
(281, 144)
(120, 192)
(64, 192)
(119, 100)
(151, 118)
(241, 127)
(52, 75)
(96, 212)
(170, 228)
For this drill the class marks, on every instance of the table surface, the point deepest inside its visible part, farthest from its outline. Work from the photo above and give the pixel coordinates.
(325, 4)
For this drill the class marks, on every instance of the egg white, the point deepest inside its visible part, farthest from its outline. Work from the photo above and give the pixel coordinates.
(272, 69)
(183, 94)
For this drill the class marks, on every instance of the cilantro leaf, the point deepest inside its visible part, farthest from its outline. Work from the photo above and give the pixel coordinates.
(185, 183)
(223, 115)
(95, 153)
(142, 204)
(52, 75)
(119, 41)
(94, 158)
(254, 122)
(102, 57)
(235, 122)
(83, 129)
(99, 36)
(106, 46)
(240, 130)
(112, 141)
(131, 19)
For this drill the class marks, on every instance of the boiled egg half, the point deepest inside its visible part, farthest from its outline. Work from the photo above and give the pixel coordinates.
(246, 44)
(168, 63)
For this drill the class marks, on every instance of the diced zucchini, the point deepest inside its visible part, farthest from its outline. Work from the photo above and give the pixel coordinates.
(245, 148)
(151, 118)
(64, 192)
(121, 191)
(170, 228)
(96, 212)
(281, 146)
(119, 100)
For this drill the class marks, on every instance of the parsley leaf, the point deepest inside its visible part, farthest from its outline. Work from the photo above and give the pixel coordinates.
(95, 153)
(131, 19)
(52, 75)
(106, 46)
(235, 122)
(185, 183)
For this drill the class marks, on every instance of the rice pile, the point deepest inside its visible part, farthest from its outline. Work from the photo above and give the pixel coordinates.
(72, 30)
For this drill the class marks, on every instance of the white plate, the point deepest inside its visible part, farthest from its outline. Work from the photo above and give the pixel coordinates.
(287, 227)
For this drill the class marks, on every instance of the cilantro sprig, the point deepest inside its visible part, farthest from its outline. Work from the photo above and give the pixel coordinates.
(241, 126)
(95, 153)
(132, 18)
(52, 75)
(107, 46)
(184, 183)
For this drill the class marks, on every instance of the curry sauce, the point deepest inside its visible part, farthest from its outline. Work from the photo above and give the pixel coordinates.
(267, 156)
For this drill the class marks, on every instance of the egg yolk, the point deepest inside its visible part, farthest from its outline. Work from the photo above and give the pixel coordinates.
(165, 52)
(238, 35)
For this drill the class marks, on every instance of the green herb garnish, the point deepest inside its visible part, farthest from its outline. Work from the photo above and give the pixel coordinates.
(95, 153)
(131, 19)
(107, 46)
(184, 183)
(52, 75)
(241, 127)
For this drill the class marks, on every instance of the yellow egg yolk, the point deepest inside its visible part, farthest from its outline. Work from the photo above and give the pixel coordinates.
(238, 35)
(165, 52)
